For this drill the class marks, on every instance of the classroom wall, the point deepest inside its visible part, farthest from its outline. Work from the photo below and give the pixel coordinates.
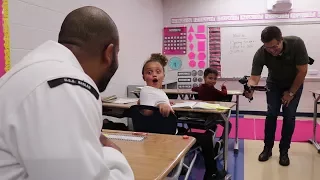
(140, 23)
(190, 8)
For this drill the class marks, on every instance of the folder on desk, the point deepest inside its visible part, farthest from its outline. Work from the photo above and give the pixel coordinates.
(199, 105)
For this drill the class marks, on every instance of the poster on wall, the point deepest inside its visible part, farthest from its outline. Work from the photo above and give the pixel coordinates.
(175, 40)
(190, 79)
(195, 61)
(197, 46)
(4, 38)
(215, 48)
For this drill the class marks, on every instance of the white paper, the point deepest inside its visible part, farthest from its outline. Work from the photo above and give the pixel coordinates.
(204, 105)
(188, 104)
(125, 100)
(125, 137)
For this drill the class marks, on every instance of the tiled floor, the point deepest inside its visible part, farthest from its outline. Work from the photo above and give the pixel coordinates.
(305, 162)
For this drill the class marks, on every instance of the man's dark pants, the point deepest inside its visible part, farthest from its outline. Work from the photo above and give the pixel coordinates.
(274, 102)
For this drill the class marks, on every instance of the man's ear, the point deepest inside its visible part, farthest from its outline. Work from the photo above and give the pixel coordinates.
(108, 55)
(143, 77)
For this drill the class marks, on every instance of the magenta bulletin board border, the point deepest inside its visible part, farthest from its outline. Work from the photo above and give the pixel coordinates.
(4, 38)
(246, 17)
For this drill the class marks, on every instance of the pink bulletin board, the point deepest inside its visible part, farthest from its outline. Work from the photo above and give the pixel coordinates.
(175, 40)
(4, 38)
(215, 48)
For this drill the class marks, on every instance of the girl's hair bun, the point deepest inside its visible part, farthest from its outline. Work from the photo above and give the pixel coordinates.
(163, 60)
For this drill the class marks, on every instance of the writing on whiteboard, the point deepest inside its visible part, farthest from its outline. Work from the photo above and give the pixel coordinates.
(240, 43)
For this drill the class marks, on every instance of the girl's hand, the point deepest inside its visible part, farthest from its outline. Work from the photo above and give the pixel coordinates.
(172, 103)
(165, 109)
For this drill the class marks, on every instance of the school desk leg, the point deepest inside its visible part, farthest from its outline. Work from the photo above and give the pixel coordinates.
(182, 96)
(226, 143)
(315, 113)
(236, 143)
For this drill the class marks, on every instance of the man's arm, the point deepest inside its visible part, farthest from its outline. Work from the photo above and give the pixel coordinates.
(298, 81)
(301, 59)
(254, 80)
(257, 67)
(60, 137)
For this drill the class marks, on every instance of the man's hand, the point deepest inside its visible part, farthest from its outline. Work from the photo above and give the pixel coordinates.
(286, 98)
(107, 142)
(165, 109)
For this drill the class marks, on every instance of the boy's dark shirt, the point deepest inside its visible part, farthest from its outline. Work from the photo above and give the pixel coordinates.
(210, 93)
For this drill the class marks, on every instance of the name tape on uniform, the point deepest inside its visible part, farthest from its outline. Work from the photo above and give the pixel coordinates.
(59, 81)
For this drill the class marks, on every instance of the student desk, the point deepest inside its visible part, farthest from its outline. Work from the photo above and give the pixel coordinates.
(116, 110)
(316, 95)
(154, 157)
(183, 93)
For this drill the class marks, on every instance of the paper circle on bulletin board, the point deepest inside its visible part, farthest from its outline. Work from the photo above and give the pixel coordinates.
(201, 64)
(194, 73)
(192, 63)
(175, 63)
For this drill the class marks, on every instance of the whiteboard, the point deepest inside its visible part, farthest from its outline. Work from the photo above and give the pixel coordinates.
(240, 43)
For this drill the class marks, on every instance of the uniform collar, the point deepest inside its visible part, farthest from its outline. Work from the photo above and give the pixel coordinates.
(57, 51)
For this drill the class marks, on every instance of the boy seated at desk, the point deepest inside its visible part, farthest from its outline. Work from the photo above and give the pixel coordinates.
(152, 95)
(208, 92)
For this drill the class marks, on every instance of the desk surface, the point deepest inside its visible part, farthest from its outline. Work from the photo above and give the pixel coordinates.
(156, 156)
(187, 91)
(226, 104)
(315, 91)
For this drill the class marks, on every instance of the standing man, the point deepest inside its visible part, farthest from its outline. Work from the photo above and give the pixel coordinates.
(287, 61)
(51, 110)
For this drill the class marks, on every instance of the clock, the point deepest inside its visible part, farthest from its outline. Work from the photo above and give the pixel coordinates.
(175, 63)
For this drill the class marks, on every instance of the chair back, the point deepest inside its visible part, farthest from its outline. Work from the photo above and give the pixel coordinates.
(149, 119)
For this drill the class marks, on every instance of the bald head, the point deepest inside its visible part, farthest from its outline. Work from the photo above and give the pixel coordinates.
(90, 29)
(92, 36)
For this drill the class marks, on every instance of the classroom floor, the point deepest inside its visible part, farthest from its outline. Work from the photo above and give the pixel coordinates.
(305, 162)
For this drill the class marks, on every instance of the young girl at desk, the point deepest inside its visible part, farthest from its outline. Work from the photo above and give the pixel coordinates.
(152, 95)
(208, 92)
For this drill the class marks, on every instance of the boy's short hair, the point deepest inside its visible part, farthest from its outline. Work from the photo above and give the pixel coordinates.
(270, 33)
(210, 71)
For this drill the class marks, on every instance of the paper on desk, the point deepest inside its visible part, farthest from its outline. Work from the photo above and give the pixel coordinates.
(188, 104)
(234, 92)
(199, 105)
(125, 100)
(124, 137)
(204, 105)
(109, 98)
